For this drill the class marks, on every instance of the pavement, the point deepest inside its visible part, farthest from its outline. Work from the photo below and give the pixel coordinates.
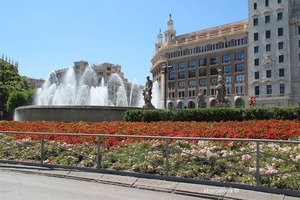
(189, 189)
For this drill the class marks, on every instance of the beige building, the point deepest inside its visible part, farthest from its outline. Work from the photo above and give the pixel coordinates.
(34, 82)
(103, 73)
(185, 64)
(274, 52)
(259, 58)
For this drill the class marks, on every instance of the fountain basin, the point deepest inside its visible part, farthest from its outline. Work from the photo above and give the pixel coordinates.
(71, 113)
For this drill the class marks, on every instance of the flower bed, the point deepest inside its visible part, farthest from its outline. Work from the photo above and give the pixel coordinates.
(214, 161)
(202, 160)
(259, 129)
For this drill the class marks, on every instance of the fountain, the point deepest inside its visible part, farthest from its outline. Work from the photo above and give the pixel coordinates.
(73, 98)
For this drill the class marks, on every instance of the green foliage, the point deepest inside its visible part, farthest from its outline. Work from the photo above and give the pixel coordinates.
(214, 114)
(10, 81)
(19, 98)
(148, 115)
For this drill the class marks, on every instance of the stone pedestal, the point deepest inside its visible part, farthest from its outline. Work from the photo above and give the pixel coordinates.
(149, 106)
(221, 105)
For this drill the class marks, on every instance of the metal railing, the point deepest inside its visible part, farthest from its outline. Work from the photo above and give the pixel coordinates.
(167, 141)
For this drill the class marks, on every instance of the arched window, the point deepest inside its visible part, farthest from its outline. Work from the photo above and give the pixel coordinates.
(180, 105)
(240, 103)
(170, 105)
(191, 104)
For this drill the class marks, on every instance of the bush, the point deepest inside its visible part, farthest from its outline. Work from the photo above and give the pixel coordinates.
(214, 114)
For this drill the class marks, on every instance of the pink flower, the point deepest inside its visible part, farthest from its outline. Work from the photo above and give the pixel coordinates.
(246, 157)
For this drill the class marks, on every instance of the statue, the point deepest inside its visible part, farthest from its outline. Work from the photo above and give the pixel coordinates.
(201, 100)
(221, 89)
(268, 61)
(147, 92)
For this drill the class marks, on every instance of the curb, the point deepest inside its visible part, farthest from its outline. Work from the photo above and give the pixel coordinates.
(187, 189)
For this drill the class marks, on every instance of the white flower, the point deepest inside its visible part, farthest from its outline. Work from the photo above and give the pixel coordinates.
(246, 157)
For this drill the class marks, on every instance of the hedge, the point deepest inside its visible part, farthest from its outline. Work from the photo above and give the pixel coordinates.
(213, 114)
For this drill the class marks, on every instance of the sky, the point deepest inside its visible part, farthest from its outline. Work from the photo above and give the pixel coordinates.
(47, 35)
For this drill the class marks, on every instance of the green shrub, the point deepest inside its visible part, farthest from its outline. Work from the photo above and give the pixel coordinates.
(214, 114)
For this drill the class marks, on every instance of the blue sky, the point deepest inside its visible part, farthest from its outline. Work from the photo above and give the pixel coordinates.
(46, 35)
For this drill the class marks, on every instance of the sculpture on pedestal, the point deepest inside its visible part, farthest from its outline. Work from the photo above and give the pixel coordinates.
(201, 100)
(147, 92)
(221, 89)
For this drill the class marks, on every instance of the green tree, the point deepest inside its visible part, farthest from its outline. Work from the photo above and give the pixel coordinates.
(19, 98)
(10, 81)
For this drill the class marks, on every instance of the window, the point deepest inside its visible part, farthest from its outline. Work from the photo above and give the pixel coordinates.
(256, 75)
(181, 85)
(172, 76)
(228, 90)
(202, 72)
(191, 94)
(181, 75)
(255, 6)
(192, 73)
(267, 19)
(268, 34)
(268, 73)
(256, 89)
(173, 67)
(268, 47)
(214, 81)
(214, 60)
(202, 62)
(181, 66)
(192, 84)
(298, 29)
(282, 88)
(239, 56)
(228, 79)
(280, 31)
(192, 51)
(298, 43)
(255, 21)
(172, 85)
(256, 61)
(239, 89)
(278, 1)
(192, 64)
(240, 78)
(226, 59)
(281, 58)
(281, 72)
(181, 94)
(239, 68)
(227, 69)
(269, 89)
(267, 2)
(255, 36)
(256, 49)
(202, 82)
(214, 71)
(279, 16)
(280, 45)
(212, 91)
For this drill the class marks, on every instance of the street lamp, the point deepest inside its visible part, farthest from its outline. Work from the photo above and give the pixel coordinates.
(165, 70)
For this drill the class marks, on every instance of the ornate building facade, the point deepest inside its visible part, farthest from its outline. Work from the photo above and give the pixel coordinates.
(259, 58)
(274, 52)
(194, 60)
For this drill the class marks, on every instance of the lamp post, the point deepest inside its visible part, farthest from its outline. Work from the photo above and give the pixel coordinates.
(165, 70)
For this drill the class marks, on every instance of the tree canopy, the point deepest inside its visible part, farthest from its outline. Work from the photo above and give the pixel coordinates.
(10, 81)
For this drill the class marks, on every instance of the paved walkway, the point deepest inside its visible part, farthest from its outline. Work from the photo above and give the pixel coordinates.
(204, 191)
